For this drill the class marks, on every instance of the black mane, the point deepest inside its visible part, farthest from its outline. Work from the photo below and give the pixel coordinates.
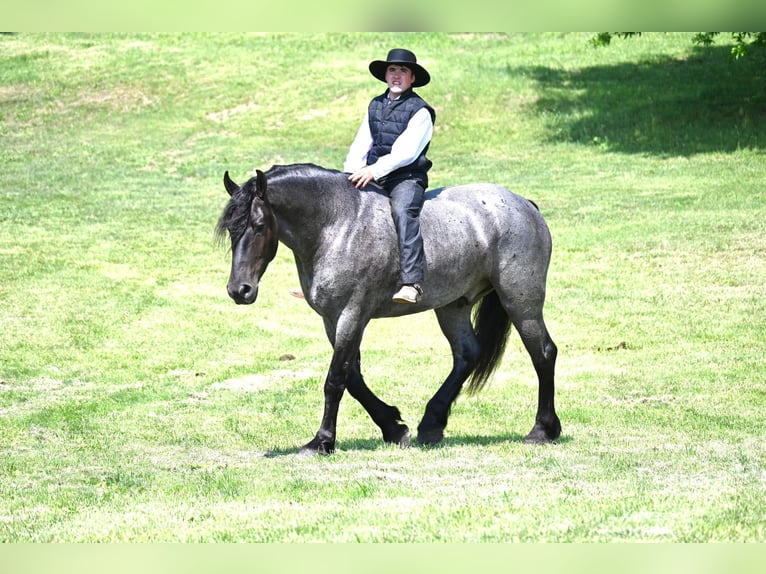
(236, 214)
(308, 170)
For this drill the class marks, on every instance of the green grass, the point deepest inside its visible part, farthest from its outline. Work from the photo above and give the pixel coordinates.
(138, 403)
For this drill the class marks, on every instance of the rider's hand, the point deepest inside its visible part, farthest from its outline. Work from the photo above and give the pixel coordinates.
(361, 177)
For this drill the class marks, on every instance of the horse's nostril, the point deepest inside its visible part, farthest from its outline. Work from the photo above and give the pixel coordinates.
(246, 293)
(245, 290)
(243, 293)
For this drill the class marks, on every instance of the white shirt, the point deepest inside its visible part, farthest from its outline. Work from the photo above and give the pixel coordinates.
(405, 150)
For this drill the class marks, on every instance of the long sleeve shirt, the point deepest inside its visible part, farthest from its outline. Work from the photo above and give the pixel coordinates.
(405, 150)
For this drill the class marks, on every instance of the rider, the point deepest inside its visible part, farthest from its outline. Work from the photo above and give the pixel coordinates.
(390, 149)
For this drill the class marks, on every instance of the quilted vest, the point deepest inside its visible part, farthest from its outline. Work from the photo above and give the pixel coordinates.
(388, 119)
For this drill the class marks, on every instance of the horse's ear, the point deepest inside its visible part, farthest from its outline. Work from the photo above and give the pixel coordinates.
(231, 187)
(260, 184)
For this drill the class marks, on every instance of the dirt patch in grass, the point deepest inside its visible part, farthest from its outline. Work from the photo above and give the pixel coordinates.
(118, 99)
(263, 381)
(223, 115)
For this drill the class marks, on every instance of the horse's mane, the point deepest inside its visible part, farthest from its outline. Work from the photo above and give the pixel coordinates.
(236, 214)
(300, 170)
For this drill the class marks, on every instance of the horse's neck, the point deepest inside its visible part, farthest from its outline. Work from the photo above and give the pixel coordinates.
(304, 208)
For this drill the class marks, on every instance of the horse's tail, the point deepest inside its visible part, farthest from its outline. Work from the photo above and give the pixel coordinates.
(492, 326)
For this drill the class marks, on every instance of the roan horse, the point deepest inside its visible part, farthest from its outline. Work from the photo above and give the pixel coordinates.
(484, 245)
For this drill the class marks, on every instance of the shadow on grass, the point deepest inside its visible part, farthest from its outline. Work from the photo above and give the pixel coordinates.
(484, 440)
(449, 441)
(706, 102)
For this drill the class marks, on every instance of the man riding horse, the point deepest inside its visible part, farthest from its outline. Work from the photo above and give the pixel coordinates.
(390, 149)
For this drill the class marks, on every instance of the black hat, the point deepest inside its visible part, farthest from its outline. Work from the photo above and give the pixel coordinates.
(404, 58)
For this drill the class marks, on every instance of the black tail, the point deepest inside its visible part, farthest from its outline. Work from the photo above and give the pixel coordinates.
(492, 326)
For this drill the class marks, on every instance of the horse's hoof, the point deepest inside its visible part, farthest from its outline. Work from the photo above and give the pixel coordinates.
(430, 437)
(539, 435)
(400, 436)
(318, 446)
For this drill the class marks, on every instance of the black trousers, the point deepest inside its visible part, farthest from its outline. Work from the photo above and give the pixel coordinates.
(406, 198)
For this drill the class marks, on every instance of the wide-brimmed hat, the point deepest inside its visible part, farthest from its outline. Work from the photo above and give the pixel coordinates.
(404, 58)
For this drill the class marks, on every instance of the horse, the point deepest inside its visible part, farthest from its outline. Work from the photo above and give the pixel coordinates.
(487, 254)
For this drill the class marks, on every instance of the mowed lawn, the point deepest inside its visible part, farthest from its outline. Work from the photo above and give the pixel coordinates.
(139, 403)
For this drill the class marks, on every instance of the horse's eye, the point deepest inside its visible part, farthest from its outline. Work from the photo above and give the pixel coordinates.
(259, 229)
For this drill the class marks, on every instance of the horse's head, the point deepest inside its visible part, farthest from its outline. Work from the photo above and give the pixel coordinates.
(252, 226)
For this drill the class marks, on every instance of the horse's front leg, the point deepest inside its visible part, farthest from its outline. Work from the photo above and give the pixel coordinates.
(345, 336)
(387, 417)
(334, 386)
(345, 372)
(348, 375)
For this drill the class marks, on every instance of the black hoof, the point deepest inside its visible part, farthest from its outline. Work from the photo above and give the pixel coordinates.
(318, 446)
(430, 437)
(399, 436)
(540, 435)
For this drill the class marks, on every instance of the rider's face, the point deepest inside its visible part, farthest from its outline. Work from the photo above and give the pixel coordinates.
(399, 79)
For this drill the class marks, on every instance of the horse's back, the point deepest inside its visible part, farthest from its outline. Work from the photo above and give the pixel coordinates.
(478, 196)
(472, 219)
(484, 210)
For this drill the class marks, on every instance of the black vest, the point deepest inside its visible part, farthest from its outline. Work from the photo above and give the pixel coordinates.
(388, 120)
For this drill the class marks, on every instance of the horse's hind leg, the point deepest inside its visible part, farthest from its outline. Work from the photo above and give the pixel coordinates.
(455, 323)
(542, 350)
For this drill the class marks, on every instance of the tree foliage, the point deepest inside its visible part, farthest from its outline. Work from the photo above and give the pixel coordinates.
(743, 41)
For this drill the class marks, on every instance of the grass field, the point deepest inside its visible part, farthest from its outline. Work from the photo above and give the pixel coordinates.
(138, 403)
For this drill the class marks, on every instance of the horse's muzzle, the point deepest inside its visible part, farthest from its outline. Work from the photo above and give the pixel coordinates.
(243, 294)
